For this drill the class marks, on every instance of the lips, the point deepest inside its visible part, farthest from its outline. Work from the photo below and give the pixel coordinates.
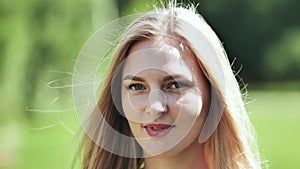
(157, 130)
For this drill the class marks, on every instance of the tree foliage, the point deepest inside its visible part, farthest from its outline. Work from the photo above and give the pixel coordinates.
(252, 29)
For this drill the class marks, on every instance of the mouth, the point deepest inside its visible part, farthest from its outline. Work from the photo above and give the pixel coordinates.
(157, 130)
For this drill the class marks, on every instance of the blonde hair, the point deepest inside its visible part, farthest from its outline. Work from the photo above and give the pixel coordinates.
(228, 144)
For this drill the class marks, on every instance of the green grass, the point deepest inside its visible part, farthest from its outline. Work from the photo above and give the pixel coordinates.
(274, 114)
(276, 118)
(49, 148)
(45, 145)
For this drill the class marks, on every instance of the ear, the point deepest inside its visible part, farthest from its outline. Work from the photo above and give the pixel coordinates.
(213, 117)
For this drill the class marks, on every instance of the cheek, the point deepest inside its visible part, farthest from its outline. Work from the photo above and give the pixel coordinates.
(133, 106)
(189, 117)
(190, 104)
(138, 102)
(197, 111)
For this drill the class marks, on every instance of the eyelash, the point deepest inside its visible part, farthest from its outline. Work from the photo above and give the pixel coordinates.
(180, 85)
(132, 87)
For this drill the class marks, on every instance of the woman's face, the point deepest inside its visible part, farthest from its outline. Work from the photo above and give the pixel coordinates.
(165, 96)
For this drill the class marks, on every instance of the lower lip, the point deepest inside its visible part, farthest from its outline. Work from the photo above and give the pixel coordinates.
(158, 133)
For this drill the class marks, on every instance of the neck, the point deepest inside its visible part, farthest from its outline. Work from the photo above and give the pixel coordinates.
(191, 157)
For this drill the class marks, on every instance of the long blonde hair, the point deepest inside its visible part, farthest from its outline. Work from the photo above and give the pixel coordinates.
(231, 144)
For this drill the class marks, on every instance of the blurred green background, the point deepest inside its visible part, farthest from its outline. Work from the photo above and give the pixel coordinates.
(41, 39)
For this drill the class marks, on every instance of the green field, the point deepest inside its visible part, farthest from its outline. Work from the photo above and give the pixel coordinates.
(275, 115)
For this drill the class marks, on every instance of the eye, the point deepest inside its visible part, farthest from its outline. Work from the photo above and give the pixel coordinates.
(177, 85)
(136, 87)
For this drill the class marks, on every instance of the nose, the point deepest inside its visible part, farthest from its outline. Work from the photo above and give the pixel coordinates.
(157, 103)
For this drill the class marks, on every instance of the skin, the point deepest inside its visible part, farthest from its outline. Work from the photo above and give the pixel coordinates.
(162, 83)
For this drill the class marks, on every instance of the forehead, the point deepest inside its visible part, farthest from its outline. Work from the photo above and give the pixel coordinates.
(166, 55)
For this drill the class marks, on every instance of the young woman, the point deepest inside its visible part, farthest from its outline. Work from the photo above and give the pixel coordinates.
(169, 100)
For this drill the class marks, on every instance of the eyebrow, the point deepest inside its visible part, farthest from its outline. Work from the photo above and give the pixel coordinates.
(135, 78)
(167, 78)
(172, 77)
